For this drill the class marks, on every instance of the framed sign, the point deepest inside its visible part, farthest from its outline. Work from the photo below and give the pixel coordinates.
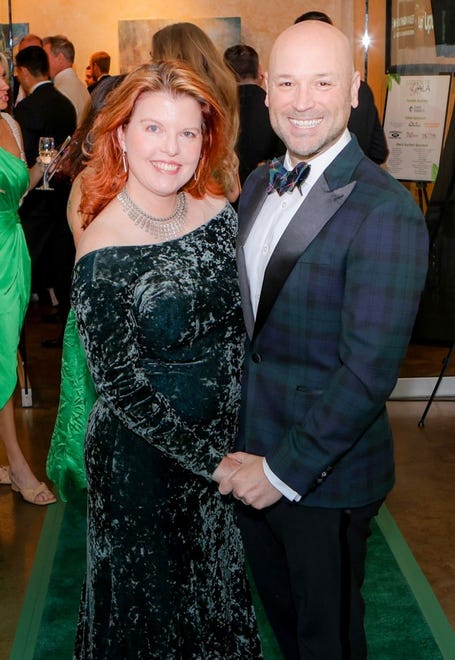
(420, 36)
(414, 121)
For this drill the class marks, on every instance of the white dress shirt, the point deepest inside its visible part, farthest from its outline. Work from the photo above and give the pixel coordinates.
(269, 226)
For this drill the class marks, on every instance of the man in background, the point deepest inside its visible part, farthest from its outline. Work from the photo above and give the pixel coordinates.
(27, 40)
(60, 52)
(257, 141)
(45, 112)
(100, 64)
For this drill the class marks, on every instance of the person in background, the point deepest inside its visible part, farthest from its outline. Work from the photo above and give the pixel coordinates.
(88, 78)
(157, 306)
(332, 259)
(364, 118)
(60, 52)
(27, 40)
(100, 64)
(65, 460)
(46, 112)
(14, 297)
(257, 141)
(187, 42)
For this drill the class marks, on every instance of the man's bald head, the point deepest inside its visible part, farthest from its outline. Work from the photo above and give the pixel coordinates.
(311, 87)
(30, 40)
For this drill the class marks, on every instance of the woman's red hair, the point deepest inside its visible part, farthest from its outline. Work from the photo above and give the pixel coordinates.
(105, 177)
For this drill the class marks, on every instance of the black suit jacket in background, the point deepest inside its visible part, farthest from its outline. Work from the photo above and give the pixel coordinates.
(44, 112)
(364, 123)
(47, 112)
(257, 140)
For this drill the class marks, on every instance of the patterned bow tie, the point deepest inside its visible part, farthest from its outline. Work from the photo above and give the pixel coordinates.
(283, 180)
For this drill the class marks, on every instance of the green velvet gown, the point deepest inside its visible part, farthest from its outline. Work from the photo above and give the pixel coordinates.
(14, 269)
(163, 333)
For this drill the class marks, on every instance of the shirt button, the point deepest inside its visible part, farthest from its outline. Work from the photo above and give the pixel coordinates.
(256, 357)
(265, 249)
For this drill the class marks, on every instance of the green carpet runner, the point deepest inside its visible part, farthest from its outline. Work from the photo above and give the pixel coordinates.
(403, 618)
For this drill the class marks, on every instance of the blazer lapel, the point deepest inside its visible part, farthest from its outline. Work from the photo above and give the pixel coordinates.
(311, 217)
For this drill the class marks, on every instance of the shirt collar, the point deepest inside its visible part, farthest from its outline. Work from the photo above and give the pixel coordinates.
(42, 82)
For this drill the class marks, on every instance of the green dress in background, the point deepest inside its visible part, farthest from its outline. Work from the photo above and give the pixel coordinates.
(163, 333)
(15, 270)
(65, 460)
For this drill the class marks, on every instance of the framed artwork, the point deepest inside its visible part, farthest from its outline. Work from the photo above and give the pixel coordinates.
(19, 30)
(16, 31)
(414, 123)
(135, 37)
(420, 36)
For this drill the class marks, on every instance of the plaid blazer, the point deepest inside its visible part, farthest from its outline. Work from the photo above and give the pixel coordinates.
(335, 315)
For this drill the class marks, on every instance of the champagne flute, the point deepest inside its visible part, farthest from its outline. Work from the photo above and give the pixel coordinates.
(46, 151)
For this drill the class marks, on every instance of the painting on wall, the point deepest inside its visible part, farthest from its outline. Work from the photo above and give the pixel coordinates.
(19, 31)
(135, 37)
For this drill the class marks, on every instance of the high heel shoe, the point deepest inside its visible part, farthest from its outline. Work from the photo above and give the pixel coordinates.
(5, 479)
(30, 494)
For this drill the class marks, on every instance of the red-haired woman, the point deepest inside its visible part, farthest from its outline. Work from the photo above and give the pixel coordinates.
(156, 302)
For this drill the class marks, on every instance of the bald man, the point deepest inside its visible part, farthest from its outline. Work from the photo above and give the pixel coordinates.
(332, 258)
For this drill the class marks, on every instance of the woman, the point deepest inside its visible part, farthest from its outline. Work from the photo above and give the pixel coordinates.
(14, 297)
(156, 302)
(187, 42)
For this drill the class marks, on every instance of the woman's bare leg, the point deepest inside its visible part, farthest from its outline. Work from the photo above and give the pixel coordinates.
(20, 470)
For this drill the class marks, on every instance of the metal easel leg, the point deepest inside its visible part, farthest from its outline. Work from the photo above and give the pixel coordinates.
(22, 370)
(445, 364)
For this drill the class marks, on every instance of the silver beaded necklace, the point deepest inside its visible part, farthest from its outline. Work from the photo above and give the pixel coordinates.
(162, 229)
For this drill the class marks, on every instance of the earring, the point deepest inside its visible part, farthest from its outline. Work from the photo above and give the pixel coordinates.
(196, 171)
(124, 161)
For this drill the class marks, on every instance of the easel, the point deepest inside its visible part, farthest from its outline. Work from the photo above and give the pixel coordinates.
(22, 373)
(442, 201)
(422, 194)
(445, 364)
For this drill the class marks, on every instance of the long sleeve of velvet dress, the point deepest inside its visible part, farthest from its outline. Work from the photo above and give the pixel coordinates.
(163, 333)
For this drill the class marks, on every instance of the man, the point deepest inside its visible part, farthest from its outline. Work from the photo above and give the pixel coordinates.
(60, 52)
(364, 119)
(45, 112)
(257, 140)
(100, 64)
(331, 273)
(88, 78)
(27, 40)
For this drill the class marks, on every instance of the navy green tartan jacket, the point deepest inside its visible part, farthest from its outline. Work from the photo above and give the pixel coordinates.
(336, 312)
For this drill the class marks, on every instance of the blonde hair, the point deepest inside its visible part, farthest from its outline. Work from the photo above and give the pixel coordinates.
(5, 65)
(105, 176)
(187, 42)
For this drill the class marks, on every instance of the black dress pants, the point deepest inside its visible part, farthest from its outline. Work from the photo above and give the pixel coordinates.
(308, 565)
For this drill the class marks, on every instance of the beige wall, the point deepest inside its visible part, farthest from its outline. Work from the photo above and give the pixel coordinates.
(92, 24)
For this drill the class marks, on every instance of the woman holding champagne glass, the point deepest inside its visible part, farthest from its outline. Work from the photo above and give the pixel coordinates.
(14, 297)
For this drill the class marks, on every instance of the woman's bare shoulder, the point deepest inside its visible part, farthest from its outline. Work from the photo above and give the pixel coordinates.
(101, 232)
